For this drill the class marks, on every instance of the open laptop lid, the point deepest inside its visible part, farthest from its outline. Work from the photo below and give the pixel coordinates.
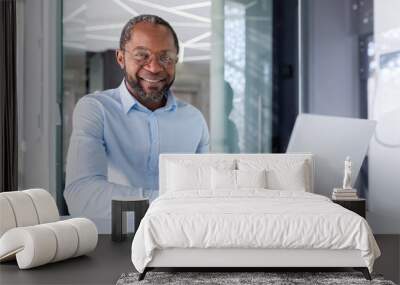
(331, 140)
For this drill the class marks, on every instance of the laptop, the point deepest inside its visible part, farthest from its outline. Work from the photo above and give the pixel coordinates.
(331, 140)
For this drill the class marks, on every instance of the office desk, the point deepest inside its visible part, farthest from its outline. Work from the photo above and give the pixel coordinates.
(102, 266)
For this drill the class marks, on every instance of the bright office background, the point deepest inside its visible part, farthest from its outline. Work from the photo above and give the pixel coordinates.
(249, 66)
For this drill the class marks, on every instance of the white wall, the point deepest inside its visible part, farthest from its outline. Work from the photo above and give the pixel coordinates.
(384, 106)
(332, 59)
(37, 95)
(217, 130)
(20, 87)
(332, 88)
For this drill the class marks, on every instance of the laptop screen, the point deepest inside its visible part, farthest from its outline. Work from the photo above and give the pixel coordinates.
(331, 140)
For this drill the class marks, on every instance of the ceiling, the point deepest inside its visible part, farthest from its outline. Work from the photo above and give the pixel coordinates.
(95, 25)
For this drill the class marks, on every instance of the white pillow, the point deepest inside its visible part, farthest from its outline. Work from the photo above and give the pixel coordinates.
(223, 179)
(286, 174)
(251, 179)
(183, 178)
(291, 178)
(237, 179)
(188, 175)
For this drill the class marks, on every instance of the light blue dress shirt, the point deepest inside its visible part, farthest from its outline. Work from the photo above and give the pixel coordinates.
(115, 145)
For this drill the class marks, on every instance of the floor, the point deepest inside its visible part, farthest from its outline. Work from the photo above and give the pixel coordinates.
(103, 266)
(110, 260)
(389, 262)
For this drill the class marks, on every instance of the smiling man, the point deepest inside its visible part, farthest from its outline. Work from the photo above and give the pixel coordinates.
(118, 134)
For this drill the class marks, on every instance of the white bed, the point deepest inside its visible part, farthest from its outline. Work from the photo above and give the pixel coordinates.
(200, 220)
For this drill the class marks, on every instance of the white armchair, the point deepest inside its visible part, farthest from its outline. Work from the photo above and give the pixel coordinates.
(32, 233)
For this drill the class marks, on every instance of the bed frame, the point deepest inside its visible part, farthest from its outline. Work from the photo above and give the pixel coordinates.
(242, 259)
(245, 259)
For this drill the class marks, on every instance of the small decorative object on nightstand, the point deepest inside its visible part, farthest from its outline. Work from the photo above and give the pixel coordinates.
(119, 208)
(355, 205)
(346, 192)
(347, 173)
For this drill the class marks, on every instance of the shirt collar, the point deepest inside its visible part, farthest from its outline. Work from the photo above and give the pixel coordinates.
(129, 102)
(171, 104)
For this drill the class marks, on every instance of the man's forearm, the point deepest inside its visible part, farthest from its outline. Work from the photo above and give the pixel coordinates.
(91, 197)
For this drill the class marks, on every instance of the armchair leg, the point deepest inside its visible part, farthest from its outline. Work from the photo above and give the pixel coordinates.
(143, 274)
(364, 271)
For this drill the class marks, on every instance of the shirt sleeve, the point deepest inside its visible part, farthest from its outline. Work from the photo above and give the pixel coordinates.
(87, 191)
(204, 144)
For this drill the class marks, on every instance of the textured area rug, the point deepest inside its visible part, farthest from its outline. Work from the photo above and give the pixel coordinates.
(225, 278)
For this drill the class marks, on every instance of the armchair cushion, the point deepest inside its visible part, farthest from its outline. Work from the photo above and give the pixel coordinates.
(40, 244)
(30, 230)
(26, 208)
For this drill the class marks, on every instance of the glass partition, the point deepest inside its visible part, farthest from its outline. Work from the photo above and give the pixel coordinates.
(243, 90)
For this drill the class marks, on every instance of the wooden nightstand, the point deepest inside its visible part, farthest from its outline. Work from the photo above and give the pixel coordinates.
(357, 206)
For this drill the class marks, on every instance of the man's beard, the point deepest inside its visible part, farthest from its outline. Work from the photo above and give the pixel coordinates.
(149, 97)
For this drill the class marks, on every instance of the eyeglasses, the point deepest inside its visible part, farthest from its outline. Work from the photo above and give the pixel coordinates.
(143, 57)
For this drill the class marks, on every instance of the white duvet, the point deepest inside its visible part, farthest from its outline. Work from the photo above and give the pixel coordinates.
(252, 218)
